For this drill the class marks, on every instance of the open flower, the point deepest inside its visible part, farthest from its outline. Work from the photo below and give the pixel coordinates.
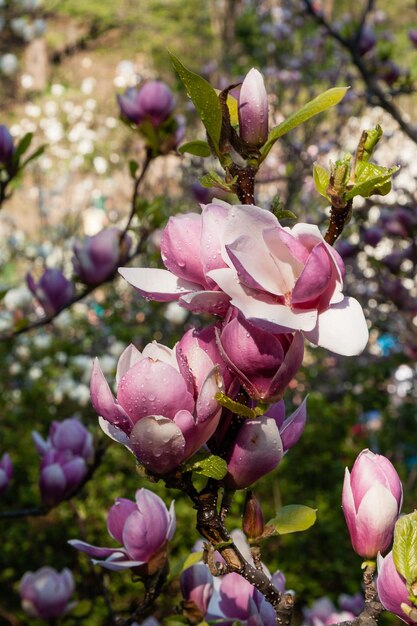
(45, 593)
(371, 501)
(143, 528)
(165, 408)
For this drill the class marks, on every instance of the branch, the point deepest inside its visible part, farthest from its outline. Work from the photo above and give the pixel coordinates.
(374, 89)
(373, 607)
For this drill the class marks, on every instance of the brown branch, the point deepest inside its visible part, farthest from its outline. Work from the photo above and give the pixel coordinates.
(380, 98)
(245, 185)
(338, 219)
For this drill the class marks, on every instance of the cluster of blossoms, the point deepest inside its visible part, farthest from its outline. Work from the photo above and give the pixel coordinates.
(46, 593)
(65, 456)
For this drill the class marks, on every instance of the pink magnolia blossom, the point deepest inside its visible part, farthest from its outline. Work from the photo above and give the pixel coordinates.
(371, 501)
(391, 587)
(280, 279)
(143, 529)
(165, 408)
(45, 593)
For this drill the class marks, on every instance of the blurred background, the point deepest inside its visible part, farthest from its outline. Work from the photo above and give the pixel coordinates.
(62, 63)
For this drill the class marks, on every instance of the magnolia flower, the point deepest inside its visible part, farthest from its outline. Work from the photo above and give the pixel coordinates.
(253, 109)
(45, 593)
(143, 528)
(53, 290)
(371, 501)
(154, 102)
(197, 587)
(280, 279)
(391, 588)
(97, 257)
(165, 408)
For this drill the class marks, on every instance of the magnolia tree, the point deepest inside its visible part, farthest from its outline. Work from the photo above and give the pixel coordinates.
(207, 416)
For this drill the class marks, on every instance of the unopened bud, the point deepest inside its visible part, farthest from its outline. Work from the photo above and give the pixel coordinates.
(253, 520)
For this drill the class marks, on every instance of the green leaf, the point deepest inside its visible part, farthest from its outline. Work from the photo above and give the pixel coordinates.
(237, 407)
(404, 550)
(321, 103)
(37, 153)
(206, 464)
(321, 179)
(293, 518)
(371, 179)
(212, 179)
(285, 214)
(197, 148)
(133, 168)
(192, 559)
(22, 146)
(204, 98)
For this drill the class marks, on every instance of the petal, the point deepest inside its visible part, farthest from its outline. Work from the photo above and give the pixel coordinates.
(117, 517)
(129, 357)
(142, 536)
(114, 433)
(256, 451)
(158, 443)
(342, 328)
(348, 506)
(213, 223)
(291, 364)
(391, 587)
(172, 521)
(94, 551)
(158, 352)
(375, 521)
(103, 400)
(314, 279)
(180, 247)
(153, 388)
(214, 302)
(155, 284)
(207, 404)
(293, 426)
(254, 265)
(117, 565)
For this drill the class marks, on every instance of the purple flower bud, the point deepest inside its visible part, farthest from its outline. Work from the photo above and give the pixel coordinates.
(355, 604)
(264, 362)
(6, 472)
(372, 236)
(253, 520)
(153, 102)
(165, 409)
(97, 258)
(261, 443)
(197, 586)
(391, 587)
(412, 35)
(371, 501)
(53, 291)
(317, 614)
(68, 436)
(253, 109)
(367, 41)
(60, 475)
(143, 528)
(7, 147)
(45, 593)
(389, 72)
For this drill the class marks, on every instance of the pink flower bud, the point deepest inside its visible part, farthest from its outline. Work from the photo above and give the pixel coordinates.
(45, 593)
(153, 102)
(197, 586)
(371, 501)
(391, 587)
(143, 529)
(253, 109)
(97, 258)
(253, 520)
(53, 290)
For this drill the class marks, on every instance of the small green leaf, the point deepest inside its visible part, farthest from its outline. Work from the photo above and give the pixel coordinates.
(324, 101)
(212, 179)
(237, 407)
(133, 168)
(192, 559)
(197, 148)
(175, 620)
(22, 146)
(204, 98)
(293, 518)
(404, 550)
(37, 153)
(285, 214)
(371, 179)
(321, 179)
(206, 464)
